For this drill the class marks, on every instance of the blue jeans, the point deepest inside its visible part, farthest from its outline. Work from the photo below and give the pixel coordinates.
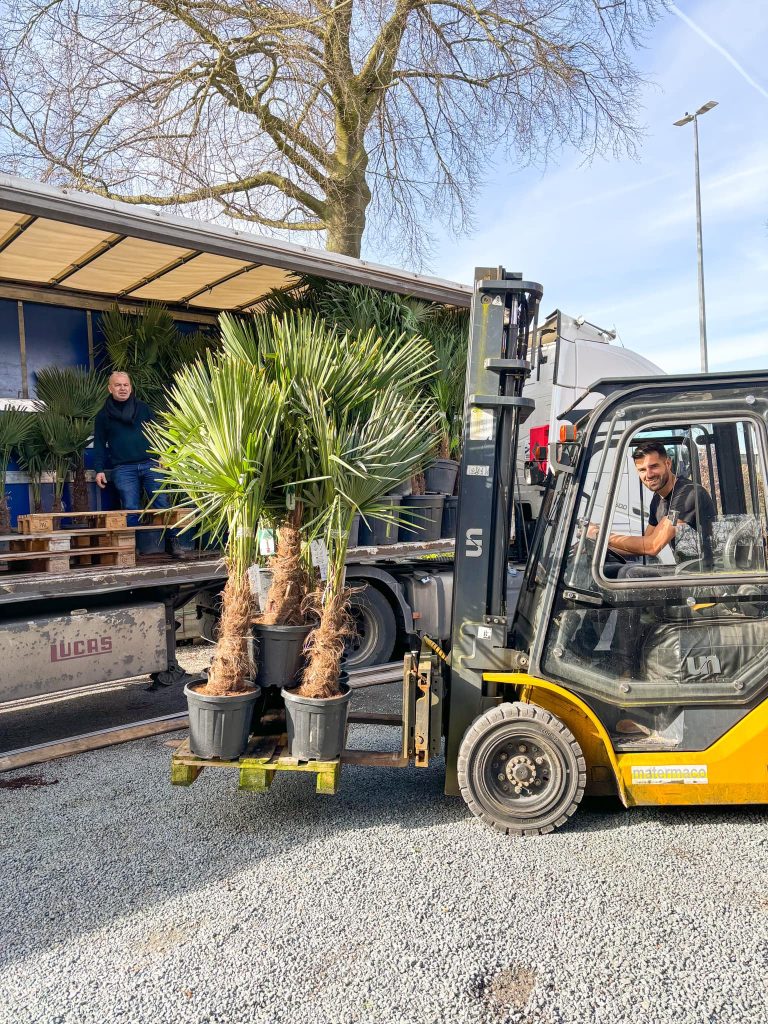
(131, 479)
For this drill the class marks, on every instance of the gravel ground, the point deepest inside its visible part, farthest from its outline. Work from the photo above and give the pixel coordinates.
(124, 900)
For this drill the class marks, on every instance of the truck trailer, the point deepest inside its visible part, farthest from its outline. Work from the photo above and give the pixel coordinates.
(66, 258)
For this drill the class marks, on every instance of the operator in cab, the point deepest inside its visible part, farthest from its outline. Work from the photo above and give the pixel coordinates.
(677, 505)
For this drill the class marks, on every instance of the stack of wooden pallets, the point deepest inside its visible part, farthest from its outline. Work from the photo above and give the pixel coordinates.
(54, 542)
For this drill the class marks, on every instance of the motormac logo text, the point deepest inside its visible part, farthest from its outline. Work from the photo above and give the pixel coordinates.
(66, 649)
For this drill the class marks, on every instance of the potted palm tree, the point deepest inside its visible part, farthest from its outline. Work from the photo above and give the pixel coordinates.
(73, 393)
(448, 336)
(216, 442)
(302, 352)
(36, 461)
(66, 439)
(361, 450)
(15, 429)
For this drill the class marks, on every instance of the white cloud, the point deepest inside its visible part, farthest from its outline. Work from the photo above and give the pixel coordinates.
(726, 54)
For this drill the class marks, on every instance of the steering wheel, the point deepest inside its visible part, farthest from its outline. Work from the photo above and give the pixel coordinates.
(745, 530)
(610, 556)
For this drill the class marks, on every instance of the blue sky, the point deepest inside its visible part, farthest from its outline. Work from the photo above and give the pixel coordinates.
(615, 241)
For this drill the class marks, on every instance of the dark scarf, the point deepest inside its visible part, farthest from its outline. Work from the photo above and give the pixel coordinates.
(125, 411)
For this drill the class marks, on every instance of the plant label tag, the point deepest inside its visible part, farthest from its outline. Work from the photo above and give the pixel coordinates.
(319, 554)
(290, 497)
(266, 540)
(254, 574)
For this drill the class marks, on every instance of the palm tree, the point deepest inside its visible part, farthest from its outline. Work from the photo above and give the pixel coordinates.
(448, 334)
(217, 446)
(150, 348)
(65, 439)
(360, 450)
(15, 429)
(301, 352)
(75, 393)
(36, 460)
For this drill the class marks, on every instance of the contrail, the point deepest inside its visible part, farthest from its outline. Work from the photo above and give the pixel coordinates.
(720, 49)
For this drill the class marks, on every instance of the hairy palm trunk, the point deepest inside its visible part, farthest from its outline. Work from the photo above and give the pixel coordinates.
(5, 515)
(231, 666)
(290, 580)
(326, 649)
(80, 502)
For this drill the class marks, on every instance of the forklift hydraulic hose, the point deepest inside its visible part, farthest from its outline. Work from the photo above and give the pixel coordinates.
(434, 647)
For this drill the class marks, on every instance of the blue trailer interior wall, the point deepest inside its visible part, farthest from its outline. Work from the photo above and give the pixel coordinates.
(54, 336)
(10, 350)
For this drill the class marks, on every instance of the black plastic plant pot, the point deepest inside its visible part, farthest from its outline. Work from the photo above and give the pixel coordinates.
(379, 533)
(354, 532)
(404, 487)
(279, 653)
(450, 509)
(422, 517)
(440, 477)
(317, 726)
(219, 727)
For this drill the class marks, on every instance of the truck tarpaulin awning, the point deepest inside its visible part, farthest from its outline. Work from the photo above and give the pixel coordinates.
(60, 246)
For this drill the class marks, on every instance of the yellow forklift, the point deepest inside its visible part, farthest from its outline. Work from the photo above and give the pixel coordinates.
(641, 675)
(644, 676)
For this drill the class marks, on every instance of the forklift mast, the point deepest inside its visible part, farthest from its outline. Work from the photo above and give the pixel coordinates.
(502, 323)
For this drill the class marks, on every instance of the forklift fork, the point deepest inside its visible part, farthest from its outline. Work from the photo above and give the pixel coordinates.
(423, 692)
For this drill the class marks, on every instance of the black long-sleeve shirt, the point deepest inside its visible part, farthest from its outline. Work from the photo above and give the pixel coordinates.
(126, 441)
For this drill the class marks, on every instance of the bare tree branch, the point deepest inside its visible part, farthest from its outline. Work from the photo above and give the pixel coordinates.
(336, 117)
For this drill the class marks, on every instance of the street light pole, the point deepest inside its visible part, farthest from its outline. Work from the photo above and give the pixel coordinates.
(699, 245)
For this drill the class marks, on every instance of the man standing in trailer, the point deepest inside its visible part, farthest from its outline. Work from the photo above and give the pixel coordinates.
(119, 431)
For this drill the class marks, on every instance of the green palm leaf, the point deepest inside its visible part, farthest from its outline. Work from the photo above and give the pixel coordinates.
(71, 390)
(15, 429)
(216, 442)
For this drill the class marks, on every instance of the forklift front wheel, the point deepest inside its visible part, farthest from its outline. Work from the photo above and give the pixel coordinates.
(521, 769)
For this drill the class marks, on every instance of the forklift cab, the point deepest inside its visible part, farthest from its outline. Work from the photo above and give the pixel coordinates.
(670, 652)
(629, 674)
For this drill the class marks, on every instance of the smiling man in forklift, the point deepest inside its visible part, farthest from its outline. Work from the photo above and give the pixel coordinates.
(678, 505)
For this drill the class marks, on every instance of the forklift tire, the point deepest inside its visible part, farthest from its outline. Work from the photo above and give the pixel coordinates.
(521, 769)
(376, 629)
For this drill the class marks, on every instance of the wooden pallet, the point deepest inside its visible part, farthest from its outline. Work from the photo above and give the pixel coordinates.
(47, 522)
(264, 756)
(58, 561)
(64, 540)
(63, 550)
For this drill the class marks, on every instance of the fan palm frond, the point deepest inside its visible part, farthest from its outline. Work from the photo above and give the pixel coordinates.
(15, 428)
(216, 442)
(71, 390)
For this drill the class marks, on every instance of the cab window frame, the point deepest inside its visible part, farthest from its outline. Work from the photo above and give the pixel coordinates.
(673, 582)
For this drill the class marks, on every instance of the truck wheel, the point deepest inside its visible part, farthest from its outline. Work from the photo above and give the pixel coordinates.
(376, 629)
(521, 769)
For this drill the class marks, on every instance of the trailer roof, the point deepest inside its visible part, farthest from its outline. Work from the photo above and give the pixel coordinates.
(62, 245)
